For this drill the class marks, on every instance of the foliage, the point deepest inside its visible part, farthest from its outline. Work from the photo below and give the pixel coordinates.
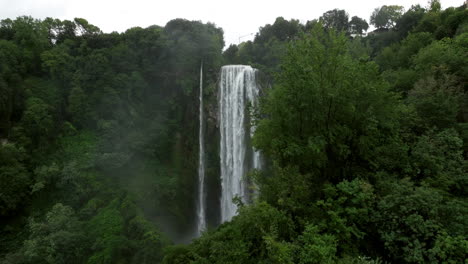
(336, 19)
(315, 247)
(57, 239)
(86, 116)
(386, 16)
(411, 221)
(365, 141)
(15, 179)
(363, 174)
(327, 112)
(345, 213)
(258, 235)
(358, 25)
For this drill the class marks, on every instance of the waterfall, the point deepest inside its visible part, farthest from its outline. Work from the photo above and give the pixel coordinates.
(201, 215)
(238, 88)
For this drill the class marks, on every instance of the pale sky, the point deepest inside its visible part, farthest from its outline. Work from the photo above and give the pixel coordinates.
(237, 18)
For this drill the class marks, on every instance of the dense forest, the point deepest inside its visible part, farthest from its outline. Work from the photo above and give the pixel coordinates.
(365, 136)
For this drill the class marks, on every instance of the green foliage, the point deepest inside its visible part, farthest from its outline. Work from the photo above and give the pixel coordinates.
(346, 211)
(78, 107)
(444, 56)
(386, 16)
(336, 19)
(327, 111)
(298, 199)
(437, 102)
(410, 220)
(358, 25)
(37, 120)
(85, 115)
(11, 70)
(98, 141)
(281, 30)
(151, 242)
(57, 239)
(15, 180)
(400, 55)
(357, 170)
(268, 47)
(449, 249)
(258, 235)
(316, 247)
(107, 227)
(438, 160)
(409, 20)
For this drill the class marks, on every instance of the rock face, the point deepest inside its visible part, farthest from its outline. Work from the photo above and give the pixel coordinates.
(212, 170)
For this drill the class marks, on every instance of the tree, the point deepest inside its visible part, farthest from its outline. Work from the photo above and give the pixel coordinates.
(15, 180)
(282, 30)
(231, 54)
(346, 210)
(357, 25)
(327, 112)
(107, 229)
(409, 20)
(443, 57)
(56, 239)
(438, 161)
(12, 68)
(37, 119)
(436, 101)
(435, 6)
(257, 235)
(386, 16)
(400, 55)
(78, 107)
(336, 19)
(315, 247)
(414, 222)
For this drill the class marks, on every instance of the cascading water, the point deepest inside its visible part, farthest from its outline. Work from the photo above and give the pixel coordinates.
(201, 223)
(238, 88)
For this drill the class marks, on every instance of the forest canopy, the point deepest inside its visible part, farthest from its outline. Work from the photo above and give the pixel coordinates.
(365, 134)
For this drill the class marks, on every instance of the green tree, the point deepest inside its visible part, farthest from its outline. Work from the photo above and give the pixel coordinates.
(399, 55)
(444, 56)
(434, 6)
(259, 234)
(282, 30)
(358, 25)
(316, 248)
(15, 180)
(437, 102)
(409, 20)
(413, 221)
(56, 239)
(37, 120)
(386, 16)
(78, 107)
(438, 162)
(327, 112)
(12, 68)
(107, 229)
(336, 19)
(345, 213)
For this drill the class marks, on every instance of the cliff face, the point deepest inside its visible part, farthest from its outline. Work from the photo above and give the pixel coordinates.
(212, 155)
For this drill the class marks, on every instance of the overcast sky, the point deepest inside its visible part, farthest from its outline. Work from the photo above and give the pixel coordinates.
(237, 18)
